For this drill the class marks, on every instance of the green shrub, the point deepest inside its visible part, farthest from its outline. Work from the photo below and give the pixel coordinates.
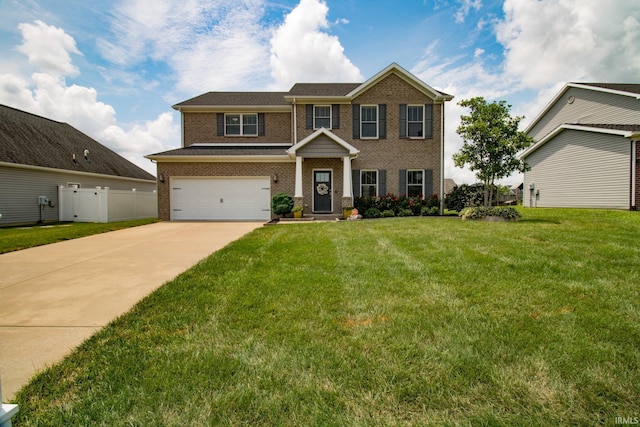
(430, 211)
(388, 213)
(464, 196)
(477, 212)
(372, 213)
(281, 203)
(405, 212)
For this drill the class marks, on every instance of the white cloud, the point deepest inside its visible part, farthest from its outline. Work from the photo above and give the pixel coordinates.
(465, 8)
(48, 48)
(302, 52)
(564, 40)
(47, 94)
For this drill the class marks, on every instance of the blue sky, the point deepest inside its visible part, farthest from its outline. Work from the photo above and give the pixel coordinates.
(114, 68)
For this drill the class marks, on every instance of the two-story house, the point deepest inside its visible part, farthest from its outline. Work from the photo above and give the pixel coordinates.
(322, 143)
(586, 150)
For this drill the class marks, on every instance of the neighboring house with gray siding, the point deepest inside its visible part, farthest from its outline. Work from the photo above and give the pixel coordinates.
(37, 155)
(586, 149)
(321, 143)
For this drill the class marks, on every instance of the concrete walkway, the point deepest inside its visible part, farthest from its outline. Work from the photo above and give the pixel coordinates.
(54, 297)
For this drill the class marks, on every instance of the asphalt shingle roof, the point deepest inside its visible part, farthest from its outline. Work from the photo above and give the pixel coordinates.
(32, 140)
(322, 89)
(230, 150)
(236, 98)
(622, 87)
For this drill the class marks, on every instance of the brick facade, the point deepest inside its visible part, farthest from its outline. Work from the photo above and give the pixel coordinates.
(391, 153)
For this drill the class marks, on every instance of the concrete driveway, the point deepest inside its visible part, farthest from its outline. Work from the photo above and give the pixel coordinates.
(54, 297)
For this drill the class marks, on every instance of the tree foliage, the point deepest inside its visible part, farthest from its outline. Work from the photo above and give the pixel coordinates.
(491, 142)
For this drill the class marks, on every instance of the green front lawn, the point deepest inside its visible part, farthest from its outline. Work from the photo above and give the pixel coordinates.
(401, 321)
(16, 238)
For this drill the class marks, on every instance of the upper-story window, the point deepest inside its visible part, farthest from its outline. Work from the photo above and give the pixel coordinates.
(322, 116)
(241, 124)
(369, 121)
(416, 121)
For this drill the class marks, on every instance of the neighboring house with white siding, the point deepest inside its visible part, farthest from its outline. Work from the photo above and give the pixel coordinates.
(38, 155)
(586, 149)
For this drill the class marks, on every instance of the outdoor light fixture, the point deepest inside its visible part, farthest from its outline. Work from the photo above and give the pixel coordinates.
(275, 177)
(161, 177)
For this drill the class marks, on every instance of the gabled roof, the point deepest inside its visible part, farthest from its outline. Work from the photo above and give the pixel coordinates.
(353, 151)
(407, 77)
(27, 139)
(626, 131)
(341, 92)
(624, 89)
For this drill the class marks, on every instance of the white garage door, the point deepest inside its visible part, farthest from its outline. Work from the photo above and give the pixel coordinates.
(237, 199)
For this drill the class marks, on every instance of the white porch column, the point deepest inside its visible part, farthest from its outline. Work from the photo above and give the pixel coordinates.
(298, 192)
(347, 187)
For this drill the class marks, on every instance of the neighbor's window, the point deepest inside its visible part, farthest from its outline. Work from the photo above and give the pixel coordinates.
(369, 183)
(369, 121)
(241, 125)
(415, 121)
(415, 181)
(322, 116)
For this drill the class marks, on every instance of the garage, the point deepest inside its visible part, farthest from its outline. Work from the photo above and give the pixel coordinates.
(220, 199)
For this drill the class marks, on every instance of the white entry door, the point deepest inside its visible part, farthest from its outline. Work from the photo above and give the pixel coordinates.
(221, 199)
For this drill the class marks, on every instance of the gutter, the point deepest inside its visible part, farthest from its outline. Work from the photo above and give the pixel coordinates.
(72, 172)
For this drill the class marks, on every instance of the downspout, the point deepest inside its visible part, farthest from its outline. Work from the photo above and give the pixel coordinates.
(442, 159)
(295, 123)
(182, 128)
(634, 172)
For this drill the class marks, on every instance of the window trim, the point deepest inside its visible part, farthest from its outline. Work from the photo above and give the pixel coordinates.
(377, 184)
(377, 122)
(423, 121)
(415, 185)
(242, 124)
(330, 116)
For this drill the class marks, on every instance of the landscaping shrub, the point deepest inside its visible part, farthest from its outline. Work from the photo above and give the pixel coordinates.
(388, 213)
(464, 196)
(430, 211)
(281, 203)
(400, 206)
(477, 212)
(372, 213)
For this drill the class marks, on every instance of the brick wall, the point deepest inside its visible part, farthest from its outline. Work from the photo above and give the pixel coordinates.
(202, 128)
(285, 172)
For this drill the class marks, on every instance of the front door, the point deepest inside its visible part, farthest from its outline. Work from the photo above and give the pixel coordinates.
(322, 190)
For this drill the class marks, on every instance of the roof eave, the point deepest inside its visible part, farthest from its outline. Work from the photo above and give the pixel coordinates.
(219, 159)
(285, 108)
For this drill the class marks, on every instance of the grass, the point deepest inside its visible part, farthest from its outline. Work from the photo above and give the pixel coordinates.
(412, 321)
(17, 238)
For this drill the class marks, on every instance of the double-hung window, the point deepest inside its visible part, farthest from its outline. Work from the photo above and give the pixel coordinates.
(241, 124)
(369, 121)
(322, 116)
(369, 183)
(415, 183)
(415, 121)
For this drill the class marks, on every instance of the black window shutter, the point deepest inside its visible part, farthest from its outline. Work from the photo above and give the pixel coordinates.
(260, 124)
(403, 120)
(356, 121)
(402, 179)
(382, 126)
(335, 116)
(428, 118)
(355, 181)
(220, 125)
(428, 183)
(309, 109)
(382, 183)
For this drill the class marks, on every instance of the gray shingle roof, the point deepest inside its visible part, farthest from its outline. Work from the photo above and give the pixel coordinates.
(629, 127)
(622, 87)
(236, 98)
(229, 150)
(32, 140)
(322, 89)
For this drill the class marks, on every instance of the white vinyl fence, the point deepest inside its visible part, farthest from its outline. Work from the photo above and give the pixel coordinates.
(105, 205)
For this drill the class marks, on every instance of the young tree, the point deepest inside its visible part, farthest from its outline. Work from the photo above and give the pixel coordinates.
(491, 142)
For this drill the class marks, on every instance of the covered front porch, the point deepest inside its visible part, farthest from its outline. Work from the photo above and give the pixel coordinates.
(323, 183)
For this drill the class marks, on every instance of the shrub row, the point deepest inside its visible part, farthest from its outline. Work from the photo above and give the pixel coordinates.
(391, 205)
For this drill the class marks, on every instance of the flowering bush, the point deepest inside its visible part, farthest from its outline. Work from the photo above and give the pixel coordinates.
(399, 206)
(477, 212)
